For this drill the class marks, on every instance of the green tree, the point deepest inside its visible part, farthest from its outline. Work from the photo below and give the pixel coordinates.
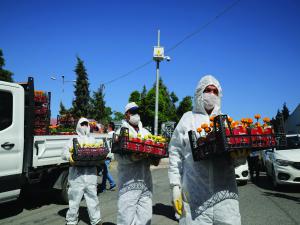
(135, 96)
(166, 107)
(285, 112)
(142, 103)
(118, 116)
(99, 111)
(62, 109)
(81, 103)
(173, 97)
(5, 75)
(184, 106)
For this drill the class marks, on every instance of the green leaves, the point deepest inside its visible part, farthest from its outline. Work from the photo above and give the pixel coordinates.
(5, 75)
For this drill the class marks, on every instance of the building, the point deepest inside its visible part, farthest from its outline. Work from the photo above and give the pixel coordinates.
(292, 124)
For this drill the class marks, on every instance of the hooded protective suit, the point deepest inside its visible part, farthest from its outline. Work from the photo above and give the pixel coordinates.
(135, 186)
(82, 181)
(209, 189)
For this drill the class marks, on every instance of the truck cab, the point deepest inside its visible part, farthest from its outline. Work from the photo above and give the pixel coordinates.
(11, 140)
(25, 156)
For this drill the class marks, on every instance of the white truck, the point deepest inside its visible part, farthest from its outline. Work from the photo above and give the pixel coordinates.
(24, 158)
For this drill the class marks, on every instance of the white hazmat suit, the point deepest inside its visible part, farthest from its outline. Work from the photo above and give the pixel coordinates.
(208, 187)
(82, 181)
(135, 186)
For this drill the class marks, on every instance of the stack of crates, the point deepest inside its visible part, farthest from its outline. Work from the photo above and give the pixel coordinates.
(41, 113)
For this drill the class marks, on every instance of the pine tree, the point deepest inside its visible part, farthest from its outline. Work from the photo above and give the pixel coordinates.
(62, 109)
(99, 111)
(81, 103)
(5, 75)
(285, 112)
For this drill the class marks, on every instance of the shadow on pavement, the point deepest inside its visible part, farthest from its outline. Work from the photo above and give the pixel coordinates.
(265, 182)
(31, 198)
(164, 210)
(10, 209)
(83, 215)
(281, 195)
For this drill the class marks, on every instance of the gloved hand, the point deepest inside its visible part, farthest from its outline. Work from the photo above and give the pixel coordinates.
(240, 154)
(177, 200)
(154, 161)
(239, 157)
(71, 160)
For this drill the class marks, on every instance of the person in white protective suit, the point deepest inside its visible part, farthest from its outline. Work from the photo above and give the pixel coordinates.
(203, 192)
(135, 180)
(82, 180)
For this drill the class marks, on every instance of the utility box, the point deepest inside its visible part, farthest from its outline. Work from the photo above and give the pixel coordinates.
(158, 53)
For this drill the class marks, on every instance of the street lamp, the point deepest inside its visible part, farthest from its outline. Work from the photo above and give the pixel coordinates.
(158, 56)
(63, 83)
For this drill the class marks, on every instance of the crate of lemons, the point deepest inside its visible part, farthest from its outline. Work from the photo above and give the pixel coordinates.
(88, 154)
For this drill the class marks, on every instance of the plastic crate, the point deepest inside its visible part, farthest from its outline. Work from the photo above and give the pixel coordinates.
(41, 111)
(40, 99)
(40, 131)
(121, 144)
(89, 156)
(223, 139)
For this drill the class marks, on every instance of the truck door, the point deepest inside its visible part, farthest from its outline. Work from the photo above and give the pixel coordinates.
(11, 139)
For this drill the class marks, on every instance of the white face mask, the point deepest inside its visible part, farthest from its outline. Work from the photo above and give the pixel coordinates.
(85, 130)
(209, 100)
(134, 119)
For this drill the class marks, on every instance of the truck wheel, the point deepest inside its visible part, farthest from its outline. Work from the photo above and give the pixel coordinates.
(64, 191)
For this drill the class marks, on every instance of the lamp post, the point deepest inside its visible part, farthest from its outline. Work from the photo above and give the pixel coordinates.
(63, 84)
(158, 56)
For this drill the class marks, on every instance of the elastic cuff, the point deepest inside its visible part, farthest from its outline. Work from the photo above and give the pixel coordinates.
(173, 185)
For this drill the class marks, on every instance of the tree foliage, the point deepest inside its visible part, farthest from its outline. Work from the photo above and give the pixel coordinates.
(99, 111)
(285, 112)
(167, 110)
(118, 116)
(81, 103)
(281, 116)
(5, 75)
(135, 96)
(62, 109)
(185, 105)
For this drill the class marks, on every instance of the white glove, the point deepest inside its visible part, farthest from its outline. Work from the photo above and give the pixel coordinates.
(177, 200)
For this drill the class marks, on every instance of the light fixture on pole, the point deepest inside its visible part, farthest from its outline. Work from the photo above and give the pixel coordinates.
(63, 84)
(158, 56)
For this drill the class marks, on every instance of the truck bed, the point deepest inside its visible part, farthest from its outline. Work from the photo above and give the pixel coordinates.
(47, 149)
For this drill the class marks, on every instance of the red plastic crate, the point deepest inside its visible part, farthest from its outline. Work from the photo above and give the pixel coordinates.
(122, 144)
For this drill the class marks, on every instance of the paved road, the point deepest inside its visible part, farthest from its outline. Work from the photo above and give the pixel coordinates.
(259, 204)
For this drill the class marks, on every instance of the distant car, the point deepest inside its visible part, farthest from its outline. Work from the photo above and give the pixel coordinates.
(242, 173)
(283, 166)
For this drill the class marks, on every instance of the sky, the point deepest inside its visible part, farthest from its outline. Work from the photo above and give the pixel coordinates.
(253, 49)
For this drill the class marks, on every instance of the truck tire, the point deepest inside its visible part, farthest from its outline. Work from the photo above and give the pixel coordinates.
(64, 190)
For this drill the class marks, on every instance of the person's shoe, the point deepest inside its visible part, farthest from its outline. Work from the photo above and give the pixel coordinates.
(112, 187)
(101, 190)
(99, 223)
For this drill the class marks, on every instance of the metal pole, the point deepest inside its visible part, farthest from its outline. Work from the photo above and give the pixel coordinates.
(63, 83)
(156, 98)
(157, 89)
